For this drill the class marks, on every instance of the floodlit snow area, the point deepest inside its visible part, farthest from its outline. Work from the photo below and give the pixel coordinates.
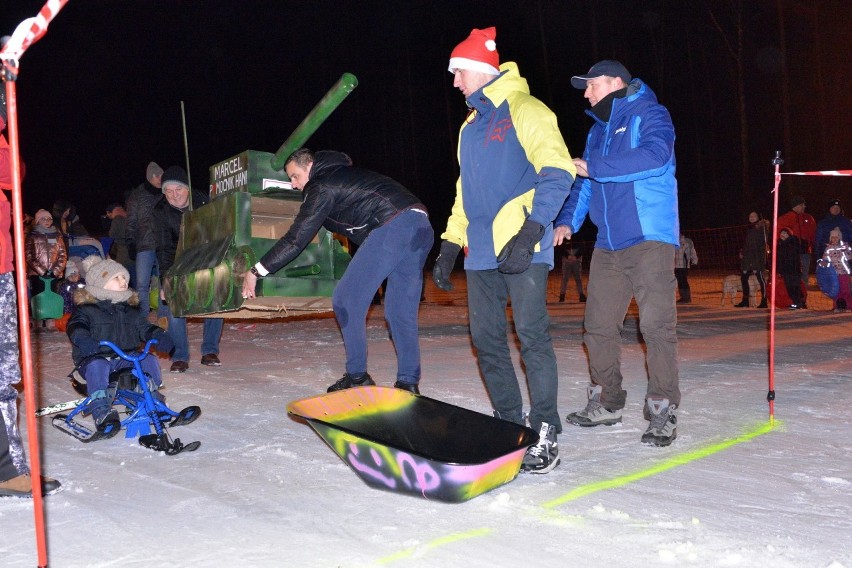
(265, 490)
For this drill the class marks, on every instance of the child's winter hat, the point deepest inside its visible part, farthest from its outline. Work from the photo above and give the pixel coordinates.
(836, 232)
(71, 270)
(477, 53)
(98, 272)
(41, 214)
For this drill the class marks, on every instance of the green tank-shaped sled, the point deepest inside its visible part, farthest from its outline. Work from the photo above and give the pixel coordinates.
(252, 205)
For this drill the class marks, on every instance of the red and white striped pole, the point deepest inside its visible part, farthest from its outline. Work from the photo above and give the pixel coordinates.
(28, 32)
(770, 397)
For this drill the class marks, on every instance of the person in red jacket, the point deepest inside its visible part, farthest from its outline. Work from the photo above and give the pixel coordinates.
(803, 227)
(15, 480)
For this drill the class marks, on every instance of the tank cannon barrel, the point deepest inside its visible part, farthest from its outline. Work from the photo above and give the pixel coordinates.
(332, 99)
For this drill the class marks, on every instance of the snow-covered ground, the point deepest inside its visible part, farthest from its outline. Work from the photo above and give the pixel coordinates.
(265, 490)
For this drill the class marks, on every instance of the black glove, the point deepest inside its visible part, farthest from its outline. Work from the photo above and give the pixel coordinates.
(444, 265)
(517, 255)
(165, 343)
(88, 346)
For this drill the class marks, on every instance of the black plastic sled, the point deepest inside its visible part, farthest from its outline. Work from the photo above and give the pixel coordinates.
(398, 441)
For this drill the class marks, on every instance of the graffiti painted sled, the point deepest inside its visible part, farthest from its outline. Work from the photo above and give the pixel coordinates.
(396, 441)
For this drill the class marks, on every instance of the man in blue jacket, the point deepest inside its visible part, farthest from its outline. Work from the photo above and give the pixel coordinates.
(626, 184)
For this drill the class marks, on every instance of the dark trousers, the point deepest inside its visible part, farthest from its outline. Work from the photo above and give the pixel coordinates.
(792, 281)
(397, 251)
(746, 289)
(682, 274)
(488, 292)
(571, 270)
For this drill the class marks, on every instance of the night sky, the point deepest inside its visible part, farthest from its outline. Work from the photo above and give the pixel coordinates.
(99, 95)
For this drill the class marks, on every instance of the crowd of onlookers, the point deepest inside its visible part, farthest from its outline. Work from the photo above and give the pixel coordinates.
(141, 237)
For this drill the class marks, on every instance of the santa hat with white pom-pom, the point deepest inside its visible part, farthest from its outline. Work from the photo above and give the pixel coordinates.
(477, 53)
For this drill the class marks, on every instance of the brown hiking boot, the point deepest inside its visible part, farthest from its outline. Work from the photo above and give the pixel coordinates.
(22, 486)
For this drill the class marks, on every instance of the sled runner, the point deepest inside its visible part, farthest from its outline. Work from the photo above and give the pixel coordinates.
(397, 441)
(143, 405)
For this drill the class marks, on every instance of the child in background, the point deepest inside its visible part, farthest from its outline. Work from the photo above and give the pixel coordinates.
(107, 310)
(837, 255)
(68, 285)
(789, 266)
(45, 251)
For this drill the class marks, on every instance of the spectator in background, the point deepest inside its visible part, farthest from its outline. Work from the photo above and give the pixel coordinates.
(838, 255)
(753, 257)
(65, 219)
(684, 258)
(141, 242)
(119, 251)
(835, 218)
(789, 267)
(45, 252)
(802, 226)
(68, 223)
(66, 287)
(166, 216)
(572, 264)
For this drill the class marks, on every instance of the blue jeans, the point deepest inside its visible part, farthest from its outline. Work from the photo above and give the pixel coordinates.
(488, 292)
(98, 370)
(397, 251)
(177, 330)
(146, 266)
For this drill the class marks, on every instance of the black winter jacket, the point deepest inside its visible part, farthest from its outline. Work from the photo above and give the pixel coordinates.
(344, 199)
(165, 221)
(140, 202)
(121, 323)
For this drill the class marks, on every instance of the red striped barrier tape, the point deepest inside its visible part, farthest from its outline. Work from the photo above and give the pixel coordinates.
(820, 173)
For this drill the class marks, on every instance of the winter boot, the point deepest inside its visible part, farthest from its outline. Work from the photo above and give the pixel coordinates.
(594, 414)
(349, 381)
(561, 297)
(544, 456)
(685, 296)
(762, 303)
(22, 486)
(662, 430)
(582, 298)
(105, 417)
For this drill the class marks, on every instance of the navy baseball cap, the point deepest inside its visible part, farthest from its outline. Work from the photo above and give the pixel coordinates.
(608, 67)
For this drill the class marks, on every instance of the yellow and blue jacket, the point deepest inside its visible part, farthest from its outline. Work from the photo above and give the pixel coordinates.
(514, 165)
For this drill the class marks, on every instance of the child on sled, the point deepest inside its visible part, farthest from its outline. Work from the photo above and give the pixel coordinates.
(107, 310)
(837, 255)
